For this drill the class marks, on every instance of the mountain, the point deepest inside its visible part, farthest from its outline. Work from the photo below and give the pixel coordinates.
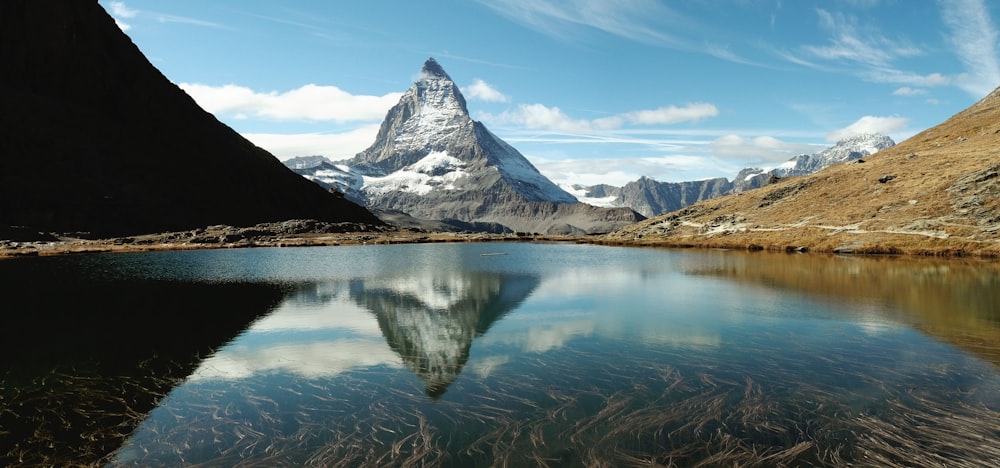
(431, 325)
(431, 161)
(94, 139)
(937, 193)
(846, 150)
(652, 198)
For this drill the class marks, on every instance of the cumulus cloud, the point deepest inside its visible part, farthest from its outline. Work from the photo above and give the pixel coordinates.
(332, 145)
(482, 91)
(765, 149)
(869, 124)
(308, 103)
(539, 116)
(542, 117)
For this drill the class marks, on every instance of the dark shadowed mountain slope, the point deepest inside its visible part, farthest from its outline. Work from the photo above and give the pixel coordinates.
(93, 138)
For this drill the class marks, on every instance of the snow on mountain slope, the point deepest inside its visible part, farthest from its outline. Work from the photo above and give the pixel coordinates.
(651, 198)
(431, 161)
(585, 195)
(436, 171)
(847, 149)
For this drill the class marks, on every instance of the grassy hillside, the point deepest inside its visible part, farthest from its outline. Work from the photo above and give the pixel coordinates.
(937, 193)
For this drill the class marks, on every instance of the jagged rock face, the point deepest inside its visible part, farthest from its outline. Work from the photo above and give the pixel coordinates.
(848, 149)
(432, 161)
(93, 138)
(653, 198)
(430, 117)
(650, 197)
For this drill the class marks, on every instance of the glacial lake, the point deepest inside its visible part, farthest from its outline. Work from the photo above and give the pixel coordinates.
(498, 354)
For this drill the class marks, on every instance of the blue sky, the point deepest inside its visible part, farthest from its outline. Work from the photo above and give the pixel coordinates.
(589, 91)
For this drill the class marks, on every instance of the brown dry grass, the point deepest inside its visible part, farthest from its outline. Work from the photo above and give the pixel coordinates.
(944, 200)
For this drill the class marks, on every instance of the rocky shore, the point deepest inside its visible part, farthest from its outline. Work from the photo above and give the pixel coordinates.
(294, 233)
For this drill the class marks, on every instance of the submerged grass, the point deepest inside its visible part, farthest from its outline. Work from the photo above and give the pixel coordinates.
(644, 413)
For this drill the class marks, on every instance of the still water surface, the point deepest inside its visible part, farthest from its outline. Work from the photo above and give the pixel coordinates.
(499, 354)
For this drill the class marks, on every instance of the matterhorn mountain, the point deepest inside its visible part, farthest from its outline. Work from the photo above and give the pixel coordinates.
(651, 198)
(431, 322)
(431, 161)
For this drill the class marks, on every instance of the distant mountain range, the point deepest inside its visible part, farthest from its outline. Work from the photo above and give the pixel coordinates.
(431, 161)
(652, 198)
(95, 140)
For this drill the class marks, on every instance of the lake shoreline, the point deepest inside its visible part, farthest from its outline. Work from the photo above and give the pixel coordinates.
(214, 239)
(221, 237)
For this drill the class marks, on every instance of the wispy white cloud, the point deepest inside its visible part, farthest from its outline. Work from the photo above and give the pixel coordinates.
(622, 170)
(853, 43)
(974, 39)
(119, 10)
(167, 18)
(869, 124)
(482, 91)
(637, 20)
(672, 114)
(900, 77)
(307, 103)
(863, 50)
(542, 117)
(701, 154)
(908, 91)
(648, 22)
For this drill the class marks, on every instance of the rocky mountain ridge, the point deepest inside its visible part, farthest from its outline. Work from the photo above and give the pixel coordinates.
(431, 161)
(651, 198)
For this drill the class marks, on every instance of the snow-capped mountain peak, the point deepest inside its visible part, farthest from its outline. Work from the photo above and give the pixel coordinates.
(432, 161)
(431, 118)
(432, 70)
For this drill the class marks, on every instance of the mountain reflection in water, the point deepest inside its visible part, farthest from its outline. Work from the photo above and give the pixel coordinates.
(556, 354)
(83, 359)
(431, 321)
